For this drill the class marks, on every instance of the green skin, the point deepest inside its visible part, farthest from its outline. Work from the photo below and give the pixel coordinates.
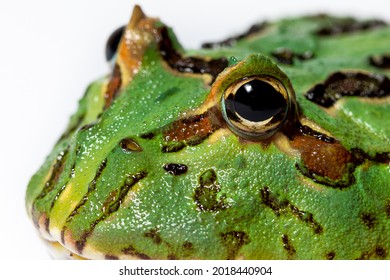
(238, 198)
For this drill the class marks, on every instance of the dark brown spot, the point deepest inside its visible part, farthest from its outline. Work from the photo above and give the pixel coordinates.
(206, 195)
(380, 61)
(287, 56)
(368, 219)
(342, 84)
(377, 253)
(188, 245)
(330, 255)
(288, 247)
(130, 145)
(113, 86)
(154, 235)
(110, 257)
(188, 64)
(130, 250)
(284, 207)
(172, 256)
(172, 147)
(175, 168)
(147, 136)
(254, 29)
(348, 25)
(233, 241)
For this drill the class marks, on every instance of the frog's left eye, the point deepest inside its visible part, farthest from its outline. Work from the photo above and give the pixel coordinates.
(256, 107)
(113, 43)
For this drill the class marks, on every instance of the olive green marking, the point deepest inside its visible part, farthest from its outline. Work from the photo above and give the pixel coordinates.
(131, 251)
(113, 206)
(284, 207)
(287, 245)
(377, 253)
(369, 220)
(233, 241)
(206, 195)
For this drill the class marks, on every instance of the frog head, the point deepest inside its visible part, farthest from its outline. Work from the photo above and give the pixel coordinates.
(269, 145)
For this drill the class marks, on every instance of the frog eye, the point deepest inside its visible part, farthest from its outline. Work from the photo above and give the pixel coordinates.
(256, 107)
(113, 43)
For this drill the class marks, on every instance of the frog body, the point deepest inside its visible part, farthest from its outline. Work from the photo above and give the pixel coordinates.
(270, 145)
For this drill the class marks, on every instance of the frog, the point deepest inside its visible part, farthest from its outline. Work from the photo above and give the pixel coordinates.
(271, 144)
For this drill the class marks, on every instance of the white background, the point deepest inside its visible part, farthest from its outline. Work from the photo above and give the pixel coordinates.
(50, 51)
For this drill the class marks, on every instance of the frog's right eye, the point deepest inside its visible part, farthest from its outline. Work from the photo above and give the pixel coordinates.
(256, 107)
(113, 43)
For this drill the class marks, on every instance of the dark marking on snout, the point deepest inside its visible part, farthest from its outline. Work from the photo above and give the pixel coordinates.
(175, 169)
(154, 235)
(233, 242)
(206, 195)
(330, 256)
(369, 220)
(284, 207)
(378, 253)
(287, 245)
(110, 257)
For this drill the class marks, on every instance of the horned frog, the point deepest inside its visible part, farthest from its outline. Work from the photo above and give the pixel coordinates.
(273, 144)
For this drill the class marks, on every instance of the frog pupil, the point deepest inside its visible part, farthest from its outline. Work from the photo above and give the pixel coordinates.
(113, 42)
(256, 101)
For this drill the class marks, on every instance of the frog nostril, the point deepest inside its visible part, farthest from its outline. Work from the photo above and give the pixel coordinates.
(113, 43)
(175, 168)
(130, 145)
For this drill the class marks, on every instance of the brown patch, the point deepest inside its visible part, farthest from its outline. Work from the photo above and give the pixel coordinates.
(342, 84)
(324, 159)
(387, 208)
(194, 129)
(113, 86)
(233, 241)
